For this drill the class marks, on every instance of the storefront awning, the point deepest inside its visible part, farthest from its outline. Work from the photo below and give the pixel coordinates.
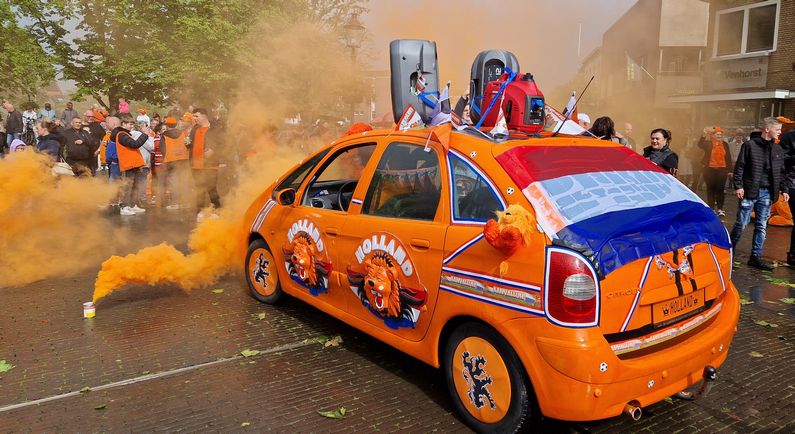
(737, 96)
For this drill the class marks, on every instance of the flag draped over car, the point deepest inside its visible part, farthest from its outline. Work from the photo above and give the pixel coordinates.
(609, 203)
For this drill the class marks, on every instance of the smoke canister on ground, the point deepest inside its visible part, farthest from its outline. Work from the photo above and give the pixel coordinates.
(89, 310)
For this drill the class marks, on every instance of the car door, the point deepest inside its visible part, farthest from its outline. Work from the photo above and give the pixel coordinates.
(308, 229)
(394, 238)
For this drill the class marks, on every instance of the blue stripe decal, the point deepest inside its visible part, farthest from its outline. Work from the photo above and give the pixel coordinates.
(492, 301)
(462, 248)
(492, 279)
(717, 268)
(637, 295)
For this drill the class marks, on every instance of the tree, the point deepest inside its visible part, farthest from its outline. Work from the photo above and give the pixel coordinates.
(24, 66)
(156, 51)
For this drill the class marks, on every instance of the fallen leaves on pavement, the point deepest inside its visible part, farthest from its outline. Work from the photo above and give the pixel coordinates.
(217, 291)
(764, 323)
(755, 354)
(249, 353)
(335, 414)
(5, 366)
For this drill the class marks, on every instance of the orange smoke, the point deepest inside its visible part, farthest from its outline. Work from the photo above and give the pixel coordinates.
(216, 246)
(51, 226)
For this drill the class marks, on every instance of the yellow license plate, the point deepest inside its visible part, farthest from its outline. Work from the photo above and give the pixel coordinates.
(670, 309)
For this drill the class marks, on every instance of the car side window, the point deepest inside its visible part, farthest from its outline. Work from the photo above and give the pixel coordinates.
(333, 185)
(297, 177)
(406, 184)
(473, 198)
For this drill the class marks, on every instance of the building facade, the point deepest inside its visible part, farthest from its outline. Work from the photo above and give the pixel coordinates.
(749, 71)
(655, 51)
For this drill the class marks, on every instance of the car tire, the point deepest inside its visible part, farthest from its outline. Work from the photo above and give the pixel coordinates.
(262, 273)
(495, 396)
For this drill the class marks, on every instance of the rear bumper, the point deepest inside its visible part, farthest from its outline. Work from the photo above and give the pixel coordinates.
(577, 376)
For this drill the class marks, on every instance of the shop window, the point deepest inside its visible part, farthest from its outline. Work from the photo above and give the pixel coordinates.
(747, 29)
(406, 184)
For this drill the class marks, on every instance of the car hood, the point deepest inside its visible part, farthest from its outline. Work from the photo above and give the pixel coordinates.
(609, 203)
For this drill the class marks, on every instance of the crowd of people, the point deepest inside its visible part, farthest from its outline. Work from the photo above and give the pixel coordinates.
(164, 154)
(760, 169)
(180, 153)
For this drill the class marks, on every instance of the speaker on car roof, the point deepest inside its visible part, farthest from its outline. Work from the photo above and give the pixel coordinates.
(415, 76)
(488, 66)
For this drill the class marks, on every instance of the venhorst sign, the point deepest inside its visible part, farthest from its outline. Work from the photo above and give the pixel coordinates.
(737, 73)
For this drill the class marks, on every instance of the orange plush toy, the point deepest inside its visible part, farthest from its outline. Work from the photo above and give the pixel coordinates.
(511, 231)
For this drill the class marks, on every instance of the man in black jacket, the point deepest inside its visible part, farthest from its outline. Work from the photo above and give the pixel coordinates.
(788, 144)
(78, 148)
(758, 180)
(13, 124)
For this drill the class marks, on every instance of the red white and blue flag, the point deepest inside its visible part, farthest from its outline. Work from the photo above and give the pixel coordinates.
(610, 203)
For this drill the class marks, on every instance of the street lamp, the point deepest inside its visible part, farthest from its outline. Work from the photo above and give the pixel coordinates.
(353, 33)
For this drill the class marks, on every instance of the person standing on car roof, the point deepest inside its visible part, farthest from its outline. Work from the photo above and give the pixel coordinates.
(758, 180)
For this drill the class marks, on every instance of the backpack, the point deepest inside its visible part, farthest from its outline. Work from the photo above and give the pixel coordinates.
(111, 155)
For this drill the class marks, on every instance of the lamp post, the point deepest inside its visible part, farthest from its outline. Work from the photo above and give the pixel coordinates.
(353, 34)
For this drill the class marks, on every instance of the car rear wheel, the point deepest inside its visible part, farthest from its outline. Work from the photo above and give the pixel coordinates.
(486, 380)
(261, 273)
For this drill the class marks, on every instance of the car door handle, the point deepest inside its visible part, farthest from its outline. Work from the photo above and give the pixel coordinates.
(420, 244)
(332, 232)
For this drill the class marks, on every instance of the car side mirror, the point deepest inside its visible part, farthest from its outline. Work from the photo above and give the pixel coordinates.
(286, 196)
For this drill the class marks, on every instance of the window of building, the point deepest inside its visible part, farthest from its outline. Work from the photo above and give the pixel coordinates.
(406, 184)
(746, 29)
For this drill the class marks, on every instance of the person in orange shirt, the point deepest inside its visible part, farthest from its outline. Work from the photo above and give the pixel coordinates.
(175, 160)
(204, 145)
(717, 164)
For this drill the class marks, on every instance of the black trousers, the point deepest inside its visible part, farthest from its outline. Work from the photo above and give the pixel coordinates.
(716, 181)
(791, 204)
(206, 183)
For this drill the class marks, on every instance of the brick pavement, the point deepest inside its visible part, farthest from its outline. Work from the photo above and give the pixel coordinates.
(143, 331)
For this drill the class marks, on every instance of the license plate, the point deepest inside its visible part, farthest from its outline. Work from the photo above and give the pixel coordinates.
(665, 311)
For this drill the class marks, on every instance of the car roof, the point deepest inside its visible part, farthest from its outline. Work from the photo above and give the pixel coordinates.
(473, 140)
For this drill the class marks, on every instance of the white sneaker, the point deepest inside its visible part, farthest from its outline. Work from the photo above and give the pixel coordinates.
(138, 210)
(721, 213)
(126, 210)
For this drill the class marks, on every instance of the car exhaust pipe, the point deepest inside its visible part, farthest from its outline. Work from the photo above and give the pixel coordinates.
(633, 411)
(709, 376)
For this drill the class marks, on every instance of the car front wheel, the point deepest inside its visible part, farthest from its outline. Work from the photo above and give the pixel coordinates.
(486, 380)
(261, 273)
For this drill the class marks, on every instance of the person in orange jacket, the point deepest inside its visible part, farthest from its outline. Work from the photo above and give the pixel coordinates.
(131, 162)
(204, 145)
(175, 159)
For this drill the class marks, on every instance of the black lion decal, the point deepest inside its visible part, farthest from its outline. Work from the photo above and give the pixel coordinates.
(477, 379)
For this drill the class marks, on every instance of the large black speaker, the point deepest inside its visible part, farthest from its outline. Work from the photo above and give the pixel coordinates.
(410, 59)
(488, 66)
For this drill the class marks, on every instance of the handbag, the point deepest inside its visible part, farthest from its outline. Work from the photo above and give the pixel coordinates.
(62, 168)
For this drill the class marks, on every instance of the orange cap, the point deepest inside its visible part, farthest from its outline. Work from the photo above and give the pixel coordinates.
(171, 121)
(187, 117)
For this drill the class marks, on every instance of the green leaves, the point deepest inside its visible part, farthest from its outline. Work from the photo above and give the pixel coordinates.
(756, 354)
(260, 316)
(766, 324)
(249, 353)
(780, 282)
(334, 414)
(5, 366)
(787, 300)
(217, 291)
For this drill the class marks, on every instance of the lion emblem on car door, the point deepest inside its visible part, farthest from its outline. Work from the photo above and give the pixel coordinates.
(306, 264)
(383, 277)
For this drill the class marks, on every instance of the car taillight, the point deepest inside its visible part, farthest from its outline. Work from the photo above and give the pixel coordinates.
(571, 289)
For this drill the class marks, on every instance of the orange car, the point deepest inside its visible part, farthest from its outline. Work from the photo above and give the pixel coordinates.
(562, 276)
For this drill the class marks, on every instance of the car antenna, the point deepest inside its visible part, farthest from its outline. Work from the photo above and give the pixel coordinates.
(575, 107)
